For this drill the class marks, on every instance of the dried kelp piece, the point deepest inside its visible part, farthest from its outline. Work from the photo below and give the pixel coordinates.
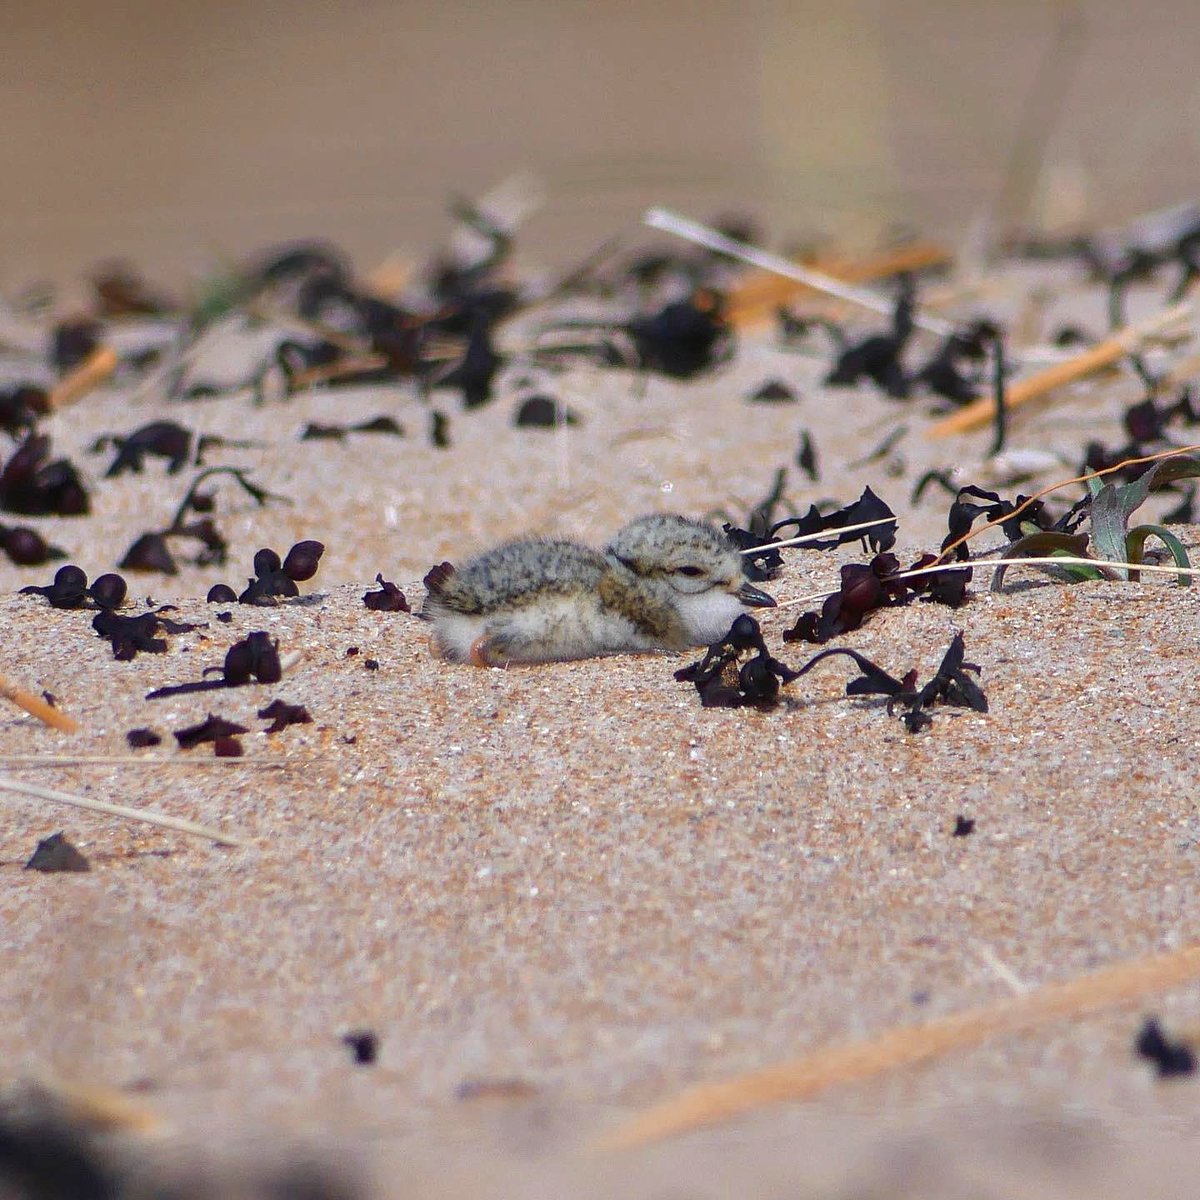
(129, 635)
(806, 456)
(878, 357)
(108, 591)
(963, 826)
(142, 739)
(389, 598)
(26, 547)
(69, 589)
(774, 391)
(56, 854)
(20, 408)
(951, 684)
(439, 429)
(314, 431)
(32, 486)
(150, 551)
(872, 679)
(137, 634)
(162, 439)
(281, 715)
(723, 681)
(1171, 1058)
(868, 507)
(543, 412)
(475, 371)
(209, 730)
(274, 580)
(256, 656)
(683, 339)
(363, 1044)
(953, 371)
(72, 342)
(964, 513)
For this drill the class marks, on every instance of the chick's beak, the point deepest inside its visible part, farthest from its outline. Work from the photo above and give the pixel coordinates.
(752, 597)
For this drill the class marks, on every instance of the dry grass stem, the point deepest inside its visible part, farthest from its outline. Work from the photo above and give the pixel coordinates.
(315, 376)
(35, 706)
(822, 535)
(1102, 355)
(755, 301)
(702, 235)
(90, 374)
(905, 1046)
(95, 1107)
(148, 816)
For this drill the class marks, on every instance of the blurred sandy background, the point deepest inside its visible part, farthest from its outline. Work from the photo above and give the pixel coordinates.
(170, 131)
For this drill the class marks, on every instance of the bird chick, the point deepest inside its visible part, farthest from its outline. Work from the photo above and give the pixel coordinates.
(663, 583)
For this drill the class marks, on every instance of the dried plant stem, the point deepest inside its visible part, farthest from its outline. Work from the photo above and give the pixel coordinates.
(35, 706)
(1102, 355)
(97, 1108)
(347, 366)
(702, 235)
(905, 1046)
(93, 371)
(119, 810)
(756, 300)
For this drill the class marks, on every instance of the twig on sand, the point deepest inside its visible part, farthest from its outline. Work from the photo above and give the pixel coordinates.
(35, 706)
(1102, 355)
(120, 810)
(96, 1108)
(709, 1104)
(90, 373)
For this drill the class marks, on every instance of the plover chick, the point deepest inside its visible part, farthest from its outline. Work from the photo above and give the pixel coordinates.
(663, 583)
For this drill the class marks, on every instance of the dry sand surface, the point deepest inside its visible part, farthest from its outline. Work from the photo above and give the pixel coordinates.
(560, 894)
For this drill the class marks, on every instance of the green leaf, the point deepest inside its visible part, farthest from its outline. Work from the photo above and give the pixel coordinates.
(1136, 540)
(1113, 504)
(1039, 545)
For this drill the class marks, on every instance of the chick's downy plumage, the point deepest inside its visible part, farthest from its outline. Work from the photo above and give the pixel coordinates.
(664, 582)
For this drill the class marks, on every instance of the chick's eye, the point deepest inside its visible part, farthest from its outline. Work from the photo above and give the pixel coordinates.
(690, 572)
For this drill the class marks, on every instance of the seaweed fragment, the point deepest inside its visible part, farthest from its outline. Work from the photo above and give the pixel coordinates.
(951, 684)
(132, 635)
(315, 431)
(32, 485)
(389, 598)
(723, 680)
(150, 551)
(282, 714)
(211, 729)
(879, 357)
(56, 854)
(1172, 1058)
(254, 657)
(543, 412)
(70, 589)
